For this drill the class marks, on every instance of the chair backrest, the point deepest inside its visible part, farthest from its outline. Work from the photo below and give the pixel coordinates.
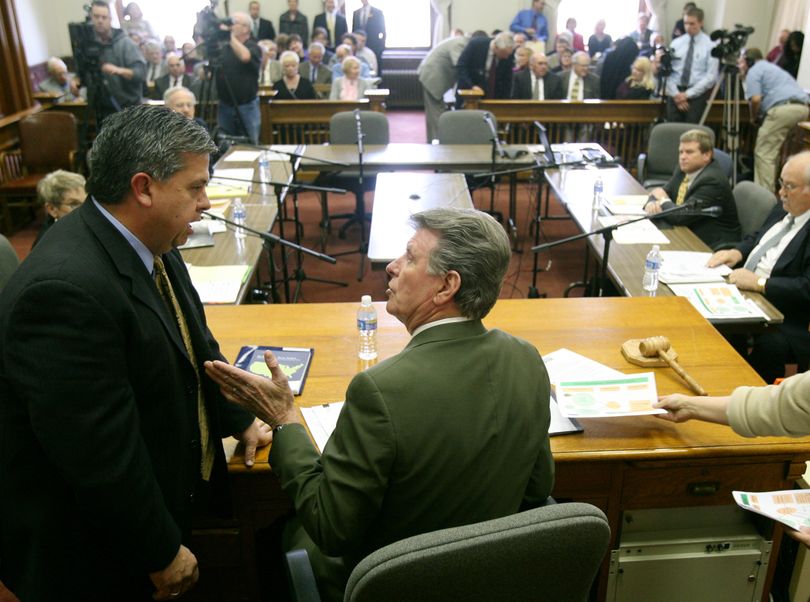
(549, 553)
(662, 149)
(8, 261)
(343, 127)
(723, 160)
(48, 140)
(754, 203)
(465, 127)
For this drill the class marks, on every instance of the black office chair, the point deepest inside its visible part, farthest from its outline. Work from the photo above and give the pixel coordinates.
(343, 130)
(548, 553)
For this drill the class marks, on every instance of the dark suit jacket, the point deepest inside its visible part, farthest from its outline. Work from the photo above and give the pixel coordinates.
(99, 436)
(341, 27)
(305, 91)
(375, 30)
(442, 434)
(266, 30)
(472, 69)
(324, 72)
(522, 86)
(788, 287)
(712, 187)
(164, 81)
(591, 85)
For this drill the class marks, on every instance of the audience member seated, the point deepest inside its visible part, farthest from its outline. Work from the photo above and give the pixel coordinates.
(642, 36)
(698, 177)
(775, 261)
(520, 38)
(537, 82)
(486, 65)
(174, 78)
(616, 67)
(522, 56)
(599, 42)
(579, 83)
(775, 53)
(792, 53)
(563, 42)
(190, 57)
(270, 69)
(60, 192)
(182, 100)
(293, 21)
(59, 80)
(292, 86)
(314, 69)
(565, 60)
(341, 53)
(532, 22)
(350, 86)
(169, 45)
(282, 41)
(296, 44)
(321, 36)
(639, 85)
(363, 52)
(571, 27)
(155, 65)
(679, 28)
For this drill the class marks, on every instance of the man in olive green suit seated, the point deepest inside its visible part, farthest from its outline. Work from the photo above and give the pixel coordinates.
(452, 430)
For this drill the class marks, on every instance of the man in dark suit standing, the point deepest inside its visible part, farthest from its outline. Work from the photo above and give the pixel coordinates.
(333, 22)
(176, 76)
(699, 177)
(110, 428)
(775, 261)
(486, 65)
(386, 474)
(372, 21)
(261, 29)
(537, 82)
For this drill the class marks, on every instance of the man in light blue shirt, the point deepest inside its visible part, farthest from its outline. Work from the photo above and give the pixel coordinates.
(532, 22)
(694, 71)
(778, 103)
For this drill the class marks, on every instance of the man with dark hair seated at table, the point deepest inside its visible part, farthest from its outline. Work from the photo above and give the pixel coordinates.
(698, 177)
(441, 434)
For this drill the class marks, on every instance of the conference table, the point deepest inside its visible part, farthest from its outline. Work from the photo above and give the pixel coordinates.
(574, 189)
(617, 464)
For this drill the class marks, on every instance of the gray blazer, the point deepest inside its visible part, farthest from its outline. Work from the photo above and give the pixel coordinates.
(437, 71)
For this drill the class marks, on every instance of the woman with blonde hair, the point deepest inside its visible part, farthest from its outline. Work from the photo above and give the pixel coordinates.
(639, 85)
(292, 86)
(351, 86)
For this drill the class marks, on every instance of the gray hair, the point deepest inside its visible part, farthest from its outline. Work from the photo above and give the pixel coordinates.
(53, 187)
(289, 54)
(566, 38)
(55, 62)
(473, 244)
(504, 40)
(167, 95)
(145, 139)
(702, 137)
(317, 46)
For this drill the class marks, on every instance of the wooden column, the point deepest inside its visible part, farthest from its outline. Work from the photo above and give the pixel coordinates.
(15, 93)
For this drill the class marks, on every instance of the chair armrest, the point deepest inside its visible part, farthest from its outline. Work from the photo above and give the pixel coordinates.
(641, 165)
(300, 577)
(10, 165)
(724, 245)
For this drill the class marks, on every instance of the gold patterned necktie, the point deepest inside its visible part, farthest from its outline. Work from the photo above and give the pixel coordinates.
(682, 190)
(575, 88)
(167, 292)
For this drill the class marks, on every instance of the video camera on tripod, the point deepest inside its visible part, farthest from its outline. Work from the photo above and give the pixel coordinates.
(730, 44)
(210, 27)
(664, 56)
(86, 49)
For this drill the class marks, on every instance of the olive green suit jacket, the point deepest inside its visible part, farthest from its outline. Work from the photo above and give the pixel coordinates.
(453, 430)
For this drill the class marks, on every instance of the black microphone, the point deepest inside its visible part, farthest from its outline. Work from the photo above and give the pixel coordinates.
(494, 130)
(707, 212)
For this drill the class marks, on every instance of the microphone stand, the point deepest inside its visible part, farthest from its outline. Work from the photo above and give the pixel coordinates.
(497, 151)
(607, 235)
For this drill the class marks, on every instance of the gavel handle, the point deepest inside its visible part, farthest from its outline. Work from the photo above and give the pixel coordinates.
(693, 384)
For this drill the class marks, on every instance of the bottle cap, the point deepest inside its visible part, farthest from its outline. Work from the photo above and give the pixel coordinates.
(365, 300)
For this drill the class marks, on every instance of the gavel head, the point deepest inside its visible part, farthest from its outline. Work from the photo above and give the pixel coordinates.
(651, 346)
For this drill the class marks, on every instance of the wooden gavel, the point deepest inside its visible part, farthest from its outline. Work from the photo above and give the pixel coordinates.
(659, 347)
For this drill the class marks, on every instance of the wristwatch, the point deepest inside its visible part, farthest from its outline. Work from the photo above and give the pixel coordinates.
(277, 429)
(761, 284)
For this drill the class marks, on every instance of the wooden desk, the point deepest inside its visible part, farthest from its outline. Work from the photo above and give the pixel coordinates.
(617, 464)
(626, 262)
(398, 196)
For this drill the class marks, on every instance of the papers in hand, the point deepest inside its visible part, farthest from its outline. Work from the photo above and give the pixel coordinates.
(641, 232)
(791, 507)
(628, 395)
(719, 301)
(293, 361)
(218, 283)
(627, 204)
(321, 421)
(689, 266)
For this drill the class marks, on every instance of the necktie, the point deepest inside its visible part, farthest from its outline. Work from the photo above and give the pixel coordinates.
(687, 64)
(536, 89)
(167, 292)
(330, 25)
(575, 87)
(256, 28)
(176, 82)
(682, 191)
(755, 257)
(493, 77)
(313, 74)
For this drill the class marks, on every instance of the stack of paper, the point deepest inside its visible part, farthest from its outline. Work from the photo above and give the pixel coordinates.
(219, 283)
(321, 421)
(791, 507)
(627, 395)
(627, 204)
(637, 233)
(689, 266)
(719, 301)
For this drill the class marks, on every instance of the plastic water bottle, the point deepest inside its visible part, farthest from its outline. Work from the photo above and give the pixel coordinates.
(652, 265)
(238, 216)
(598, 193)
(366, 329)
(264, 168)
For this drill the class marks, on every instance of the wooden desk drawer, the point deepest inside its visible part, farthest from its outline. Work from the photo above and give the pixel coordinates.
(672, 486)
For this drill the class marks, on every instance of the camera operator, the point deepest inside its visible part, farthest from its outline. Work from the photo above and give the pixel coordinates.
(777, 103)
(122, 66)
(694, 71)
(238, 81)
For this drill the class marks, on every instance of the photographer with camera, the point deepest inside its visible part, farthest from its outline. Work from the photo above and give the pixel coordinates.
(120, 63)
(694, 71)
(237, 77)
(777, 103)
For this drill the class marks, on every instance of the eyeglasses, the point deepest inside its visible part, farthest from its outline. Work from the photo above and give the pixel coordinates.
(789, 187)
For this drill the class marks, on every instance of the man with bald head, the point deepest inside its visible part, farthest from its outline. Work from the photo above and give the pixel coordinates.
(174, 78)
(238, 82)
(775, 261)
(537, 82)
